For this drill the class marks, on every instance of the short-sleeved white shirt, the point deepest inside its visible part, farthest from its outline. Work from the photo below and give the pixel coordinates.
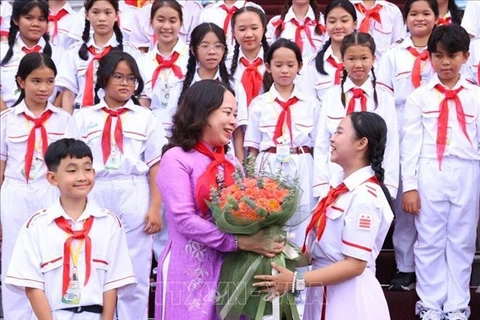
(63, 39)
(166, 81)
(471, 68)
(14, 133)
(357, 223)
(5, 16)
(391, 28)
(73, 69)
(8, 85)
(327, 173)
(143, 35)
(37, 260)
(289, 31)
(263, 114)
(143, 139)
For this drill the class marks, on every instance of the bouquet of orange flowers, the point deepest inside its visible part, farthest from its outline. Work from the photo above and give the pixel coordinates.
(250, 204)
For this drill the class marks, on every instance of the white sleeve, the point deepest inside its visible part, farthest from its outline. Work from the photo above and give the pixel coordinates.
(120, 271)
(398, 26)
(155, 141)
(72, 130)
(253, 136)
(411, 144)
(138, 38)
(24, 268)
(270, 33)
(321, 174)
(391, 160)
(470, 18)
(3, 134)
(67, 73)
(385, 71)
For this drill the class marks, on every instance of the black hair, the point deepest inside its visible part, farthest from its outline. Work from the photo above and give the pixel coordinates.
(453, 38)
(280, 43)
(201, 99)
(361, 39)
(63, 148)
(83, 51)
(157, 4)
(30, 62)
(263, 20)
(107, 66)
(347, 6)
(371, 126)
(433, 4)
(455, 12)
(21, 8)
(196, 38)
(288, 3)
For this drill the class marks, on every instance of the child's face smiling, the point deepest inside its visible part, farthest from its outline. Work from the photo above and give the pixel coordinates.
(38, 86)
(74, 177)
(32, 26)
(358, 61)
(249, 31)
(420, 19)
(166, 24)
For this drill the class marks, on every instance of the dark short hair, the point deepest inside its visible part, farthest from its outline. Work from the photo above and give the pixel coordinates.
(453, 38)
(63, 148)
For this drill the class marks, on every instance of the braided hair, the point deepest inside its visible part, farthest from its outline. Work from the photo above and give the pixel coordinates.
(22, 8)
(263, 20)
(198, 34)
(106, 68)
(360, 39)
(371, 126)
(350, 9)
(83, 51)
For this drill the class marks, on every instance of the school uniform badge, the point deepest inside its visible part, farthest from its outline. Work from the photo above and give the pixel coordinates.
(365, 221)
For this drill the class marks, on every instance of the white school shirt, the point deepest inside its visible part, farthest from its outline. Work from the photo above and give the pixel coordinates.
(215, 14)
(144, 35)
(240, 95)
(395, 71)
(327, 173)
(420, 128)
(313, 82)
(389, 31)
(357, 223)
(8, 85)
(14, 133)
(470, 69)
(289, 31)
(166, 81)
(143, 139)
(73, 69)
(263, 114)
(470, 18)
(126, 20)
(63, 39)
(5, 16)
(37, 260)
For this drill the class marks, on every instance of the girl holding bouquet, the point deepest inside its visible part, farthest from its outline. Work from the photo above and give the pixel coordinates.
(282, 124)
(193, 162)
(347, 230)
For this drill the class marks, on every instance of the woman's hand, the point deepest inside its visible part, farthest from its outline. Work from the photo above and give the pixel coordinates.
(277, 284)
(259, 244)
(153, 221)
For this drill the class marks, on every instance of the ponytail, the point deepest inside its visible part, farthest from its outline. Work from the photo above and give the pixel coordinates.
(12, 35)
(377, 159)
(374, 85)
(319, 63)
(83, 51)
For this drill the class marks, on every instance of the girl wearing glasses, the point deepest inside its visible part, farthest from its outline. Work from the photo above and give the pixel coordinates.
(126, 141)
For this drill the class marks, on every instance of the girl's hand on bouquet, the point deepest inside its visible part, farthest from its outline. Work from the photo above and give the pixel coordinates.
(260, 244)
(275, 284)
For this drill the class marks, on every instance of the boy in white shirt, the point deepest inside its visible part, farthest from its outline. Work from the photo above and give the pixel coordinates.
(75, 271)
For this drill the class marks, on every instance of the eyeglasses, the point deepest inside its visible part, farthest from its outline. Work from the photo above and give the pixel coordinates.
(218, 47)
(118, 78)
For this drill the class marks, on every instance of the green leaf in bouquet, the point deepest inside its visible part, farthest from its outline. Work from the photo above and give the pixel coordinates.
(249, 202)
(260, 182)
(262, 212)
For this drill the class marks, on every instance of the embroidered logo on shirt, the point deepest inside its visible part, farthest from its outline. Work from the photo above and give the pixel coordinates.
(365, 221)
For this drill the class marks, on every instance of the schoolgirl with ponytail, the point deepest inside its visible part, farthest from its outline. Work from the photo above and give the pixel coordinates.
(126, 166)
(26, 130)
(347, 230)
(27, 33)
(76, 73)
(357, 92)
(324, 69)
(300, 22)
(248, 65)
